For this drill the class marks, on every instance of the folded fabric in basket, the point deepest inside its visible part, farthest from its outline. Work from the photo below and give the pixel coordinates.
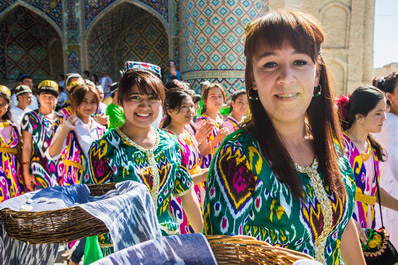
(180, 249)
(48, 199)
(130, 216)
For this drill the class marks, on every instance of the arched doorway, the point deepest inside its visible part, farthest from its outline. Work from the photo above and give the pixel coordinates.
(126, 32)
(29, 44)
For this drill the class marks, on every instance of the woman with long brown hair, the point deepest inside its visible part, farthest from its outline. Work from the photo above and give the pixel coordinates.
(282, 178)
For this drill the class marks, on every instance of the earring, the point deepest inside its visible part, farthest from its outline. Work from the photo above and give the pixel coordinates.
(316, 94)
(253, 95)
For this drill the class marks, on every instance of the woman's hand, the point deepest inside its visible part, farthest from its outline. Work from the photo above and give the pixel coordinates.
(220, 136)
(29, 181)
(102, 119)
(205, 129)
(69, 124)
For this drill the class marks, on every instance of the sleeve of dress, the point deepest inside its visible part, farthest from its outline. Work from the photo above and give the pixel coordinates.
(56, 157)
(184, 182)
(227, 124)
(229, 192)
(99, 170)
(7, 135)
(29, 123)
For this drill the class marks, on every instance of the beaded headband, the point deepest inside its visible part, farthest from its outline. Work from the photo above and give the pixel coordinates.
(142, 66)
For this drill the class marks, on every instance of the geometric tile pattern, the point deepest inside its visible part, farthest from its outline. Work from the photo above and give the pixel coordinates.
(145, 41)
(214, 31)
(52, 8)
(213, 38)
(106, 48)
(92, 8)
(25, 37)
(73, 36)
(72, 22)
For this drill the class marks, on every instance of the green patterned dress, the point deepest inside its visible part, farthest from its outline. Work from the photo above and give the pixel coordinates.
(116, 158)
(244, 197)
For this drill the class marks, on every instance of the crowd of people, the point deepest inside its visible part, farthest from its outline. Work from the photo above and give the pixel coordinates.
(283, 161)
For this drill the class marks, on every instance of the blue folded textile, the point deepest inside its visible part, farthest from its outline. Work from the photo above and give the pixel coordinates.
(180, 249)
(53, 198)
(128, 212)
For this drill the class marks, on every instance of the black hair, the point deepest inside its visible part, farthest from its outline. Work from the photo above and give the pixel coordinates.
(173, 101)
(48, 91)
(362, 101)
(146, 82)
(22, 77)
(388, 84)
(235, 96)
(175, 83)
(86, 72)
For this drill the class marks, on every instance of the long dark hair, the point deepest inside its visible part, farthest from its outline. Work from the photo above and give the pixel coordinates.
(362, 101)
(304, 33)
(173, 101)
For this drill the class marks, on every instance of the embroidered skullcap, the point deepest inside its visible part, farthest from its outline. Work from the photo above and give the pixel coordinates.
(142, 66)
(22, 89)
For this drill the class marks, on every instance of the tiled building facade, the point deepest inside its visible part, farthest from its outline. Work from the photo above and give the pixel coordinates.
(204, 37)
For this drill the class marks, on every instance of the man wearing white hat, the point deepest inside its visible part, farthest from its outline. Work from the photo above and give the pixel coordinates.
(23, 95)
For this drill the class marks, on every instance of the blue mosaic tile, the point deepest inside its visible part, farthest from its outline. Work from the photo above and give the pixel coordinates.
(92, 8)
(53, 8)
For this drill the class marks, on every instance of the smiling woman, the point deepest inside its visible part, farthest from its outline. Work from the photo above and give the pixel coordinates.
(281, 178)
(78, 131)
(139, 152)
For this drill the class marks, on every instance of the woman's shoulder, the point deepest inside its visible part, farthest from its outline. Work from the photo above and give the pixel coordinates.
(167, 139)
(240, 138)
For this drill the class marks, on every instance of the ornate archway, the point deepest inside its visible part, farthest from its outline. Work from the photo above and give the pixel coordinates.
(29, 44)
(125, 32)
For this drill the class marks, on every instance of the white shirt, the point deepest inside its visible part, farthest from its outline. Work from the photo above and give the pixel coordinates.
(388, 138)
(17, 115)
(86, 135)
(33, 106)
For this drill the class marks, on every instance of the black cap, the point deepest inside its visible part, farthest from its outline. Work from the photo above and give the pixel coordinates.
(22, 76)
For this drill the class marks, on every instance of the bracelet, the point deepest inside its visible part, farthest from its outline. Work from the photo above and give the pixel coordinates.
(26, 163)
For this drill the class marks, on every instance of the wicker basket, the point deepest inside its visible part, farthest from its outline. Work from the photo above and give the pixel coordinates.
(248, 250)
(56, 226)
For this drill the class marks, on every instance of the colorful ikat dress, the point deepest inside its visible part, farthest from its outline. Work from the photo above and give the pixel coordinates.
(46, 172)
(66, 110)
(74, 155)
(244, 197)
(191, 158)
(11, 181)
(206, 160)
(230, 123)
(365, 167)
(116, 158)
